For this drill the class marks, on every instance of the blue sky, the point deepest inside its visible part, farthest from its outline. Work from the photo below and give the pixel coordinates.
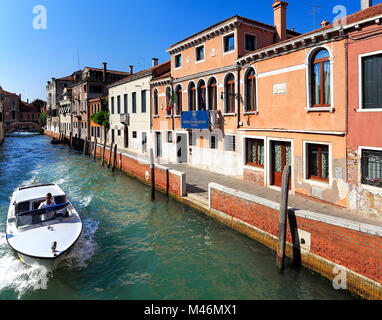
(120, 32)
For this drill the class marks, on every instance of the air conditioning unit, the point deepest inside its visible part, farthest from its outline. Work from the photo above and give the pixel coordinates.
(215, 119)
(125, 118)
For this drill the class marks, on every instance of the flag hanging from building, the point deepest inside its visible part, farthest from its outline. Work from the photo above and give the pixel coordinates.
(171, 103)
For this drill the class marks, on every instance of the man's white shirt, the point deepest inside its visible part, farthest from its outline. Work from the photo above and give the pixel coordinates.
(46, 205)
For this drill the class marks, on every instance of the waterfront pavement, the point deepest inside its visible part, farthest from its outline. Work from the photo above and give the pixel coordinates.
(197, 181)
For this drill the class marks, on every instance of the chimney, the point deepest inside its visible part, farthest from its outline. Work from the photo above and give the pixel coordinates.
(53, 79)
(324, 23)
(104, 72)
(155, 62)
(279, 13)
(366, 4)
(28, 101)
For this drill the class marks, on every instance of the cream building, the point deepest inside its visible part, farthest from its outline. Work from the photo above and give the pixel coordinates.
(130, 109)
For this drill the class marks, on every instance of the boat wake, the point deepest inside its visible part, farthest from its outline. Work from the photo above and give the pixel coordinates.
(85, 247)
(16, 276)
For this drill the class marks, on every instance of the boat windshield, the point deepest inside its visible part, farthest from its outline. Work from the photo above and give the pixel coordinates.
(28, 218)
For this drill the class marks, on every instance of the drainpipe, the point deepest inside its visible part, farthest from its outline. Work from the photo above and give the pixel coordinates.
(239, 96)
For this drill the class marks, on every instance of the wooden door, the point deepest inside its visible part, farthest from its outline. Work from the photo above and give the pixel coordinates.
(281, 156)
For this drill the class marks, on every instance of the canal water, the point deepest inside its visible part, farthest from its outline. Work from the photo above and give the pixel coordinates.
(132, 248)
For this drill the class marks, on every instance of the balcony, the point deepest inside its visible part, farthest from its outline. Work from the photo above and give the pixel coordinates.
(125, 119)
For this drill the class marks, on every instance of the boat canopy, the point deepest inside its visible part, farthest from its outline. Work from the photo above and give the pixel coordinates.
(37, 192)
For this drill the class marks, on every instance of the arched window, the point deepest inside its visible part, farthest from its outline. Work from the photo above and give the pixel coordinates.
(178, 95)
(169, 102)
(191, 97)
(212, 95)
(320, 78)
(229, 89)
(202, 95)
(250, 87)
(155, 102)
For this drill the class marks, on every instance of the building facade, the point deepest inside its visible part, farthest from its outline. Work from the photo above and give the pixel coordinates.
(54, 91)
(97, 131)
(130, 109)
(90, 83)
(65, 111)
(364, 138)
(29, 112)
(11, 108)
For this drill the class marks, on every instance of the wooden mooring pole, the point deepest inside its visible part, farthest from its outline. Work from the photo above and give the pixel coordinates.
(120, 161)
(110, 152)
(103, 152)
(152, 167)
(283, 218)
(115, 158)
(70, 140)
(85, 143)
(95, 149)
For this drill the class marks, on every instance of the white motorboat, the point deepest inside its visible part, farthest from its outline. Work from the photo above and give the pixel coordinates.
(42, 236)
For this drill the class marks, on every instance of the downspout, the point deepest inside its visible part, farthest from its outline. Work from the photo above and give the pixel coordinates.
(239, 96)
(346, 99)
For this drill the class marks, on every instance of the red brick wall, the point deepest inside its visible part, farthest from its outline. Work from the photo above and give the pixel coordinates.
(254, 176)
(357, 251)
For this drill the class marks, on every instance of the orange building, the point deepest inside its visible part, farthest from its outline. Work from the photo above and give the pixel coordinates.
(273, 97)
(96, 130)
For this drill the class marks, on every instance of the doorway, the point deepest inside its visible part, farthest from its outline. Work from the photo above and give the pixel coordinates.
(281, 156)
(158, 144)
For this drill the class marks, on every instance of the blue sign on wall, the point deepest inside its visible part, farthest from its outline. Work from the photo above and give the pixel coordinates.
(195, 119)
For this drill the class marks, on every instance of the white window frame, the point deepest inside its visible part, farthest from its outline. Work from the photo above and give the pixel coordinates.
(372, 189)
(245, 92)
(181, 63)
(360, 87)
(305, 168)
(234, 39)
(204, 58)
(250, 34)
(308, 72)
(224, 97)
(244, 154)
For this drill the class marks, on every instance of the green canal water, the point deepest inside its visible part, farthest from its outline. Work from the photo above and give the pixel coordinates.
(133, 248)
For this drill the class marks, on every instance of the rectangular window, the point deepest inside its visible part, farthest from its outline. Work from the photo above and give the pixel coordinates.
(254, 152)
(192, 138)
(143, 96)
(125, 106)
(112, 105)
(134, 102)
(372, 82)
(178, 60)
(119, 132)
(371, 167)
(118, 104)
(250, 42)
(199, 53)
(230, 143)
(229, 43)
(134, 134)
(318, 162)
(169, 136)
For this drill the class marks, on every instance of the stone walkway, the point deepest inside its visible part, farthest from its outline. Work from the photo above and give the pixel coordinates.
(198, 179)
